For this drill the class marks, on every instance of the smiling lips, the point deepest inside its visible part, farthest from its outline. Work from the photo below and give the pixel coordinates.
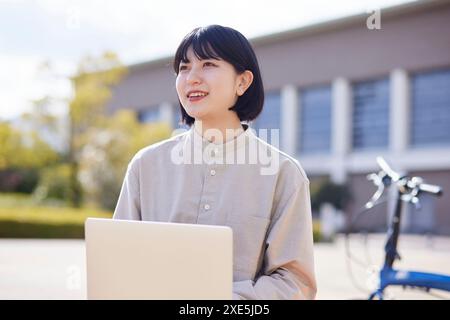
(196, 97)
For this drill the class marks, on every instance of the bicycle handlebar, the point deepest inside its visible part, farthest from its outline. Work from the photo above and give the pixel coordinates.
(387, 169)
(414, 182)
(409, 187)
(433, 189)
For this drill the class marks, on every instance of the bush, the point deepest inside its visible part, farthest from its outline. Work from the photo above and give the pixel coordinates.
(14, 229)
(22, 180)
(329, 192)
(317, 235)
(46, 222)
(54, 183)
(21, 217)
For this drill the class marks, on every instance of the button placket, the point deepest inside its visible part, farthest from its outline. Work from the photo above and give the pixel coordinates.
(208, 187)
(209, 193)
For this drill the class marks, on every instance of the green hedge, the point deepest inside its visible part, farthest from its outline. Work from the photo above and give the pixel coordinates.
(66, 223)
(22, 217)
(45, 222)
(317, 236)
(14, 229)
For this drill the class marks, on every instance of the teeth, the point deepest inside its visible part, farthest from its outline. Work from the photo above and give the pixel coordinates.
(197, 94)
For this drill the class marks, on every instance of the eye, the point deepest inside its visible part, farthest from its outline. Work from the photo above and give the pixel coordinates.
(206, 63)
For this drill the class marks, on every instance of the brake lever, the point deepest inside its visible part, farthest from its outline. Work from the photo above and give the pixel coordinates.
(412, 196)
(378, 181)
(413, 199)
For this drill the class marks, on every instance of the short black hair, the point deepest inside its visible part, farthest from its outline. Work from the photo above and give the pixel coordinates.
(219, 42)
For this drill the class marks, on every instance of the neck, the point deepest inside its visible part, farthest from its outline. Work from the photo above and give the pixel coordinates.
(221, 130)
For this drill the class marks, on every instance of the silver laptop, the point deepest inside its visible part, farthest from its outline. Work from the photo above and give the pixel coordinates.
(156, 260)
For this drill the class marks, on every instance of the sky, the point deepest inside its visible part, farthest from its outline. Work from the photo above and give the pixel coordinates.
(61, 32)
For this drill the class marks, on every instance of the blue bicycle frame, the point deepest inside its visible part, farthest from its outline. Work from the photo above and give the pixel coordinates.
(389, 276)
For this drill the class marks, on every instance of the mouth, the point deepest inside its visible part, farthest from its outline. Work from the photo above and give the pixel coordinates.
(196, 98)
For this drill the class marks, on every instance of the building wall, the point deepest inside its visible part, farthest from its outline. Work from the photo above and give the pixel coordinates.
(413, 41)
(438, 211)
(374, 220)
(432, 217)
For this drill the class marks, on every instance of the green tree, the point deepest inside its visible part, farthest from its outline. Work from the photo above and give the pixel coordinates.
(108, 148)
(23, 149)
(92, 85)
(22, 155)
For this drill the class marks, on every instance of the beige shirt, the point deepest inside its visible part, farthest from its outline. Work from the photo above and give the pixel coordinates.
(187, 179)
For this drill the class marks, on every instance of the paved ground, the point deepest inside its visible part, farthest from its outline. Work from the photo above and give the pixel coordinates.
(55, 269)
(417, 253)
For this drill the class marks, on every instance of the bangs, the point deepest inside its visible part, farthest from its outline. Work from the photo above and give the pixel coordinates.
(202, 47)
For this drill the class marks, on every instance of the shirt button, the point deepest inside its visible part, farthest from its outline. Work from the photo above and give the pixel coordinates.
(207, 207)
(213, 172)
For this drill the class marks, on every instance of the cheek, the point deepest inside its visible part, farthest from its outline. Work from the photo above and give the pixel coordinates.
(224, 87)
(179, 87)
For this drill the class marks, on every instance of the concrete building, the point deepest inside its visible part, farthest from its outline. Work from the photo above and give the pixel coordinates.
(342, 93)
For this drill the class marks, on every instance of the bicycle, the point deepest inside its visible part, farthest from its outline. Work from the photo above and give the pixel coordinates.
(408, 190)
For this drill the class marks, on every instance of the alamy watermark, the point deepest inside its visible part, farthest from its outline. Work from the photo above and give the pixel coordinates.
(373, 22)
(73, 18)
(233, 148)
(73, 278)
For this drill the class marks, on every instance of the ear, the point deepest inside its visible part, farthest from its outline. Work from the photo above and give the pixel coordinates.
(245, 80)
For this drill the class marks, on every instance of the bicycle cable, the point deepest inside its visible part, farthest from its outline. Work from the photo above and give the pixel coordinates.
(349, 256)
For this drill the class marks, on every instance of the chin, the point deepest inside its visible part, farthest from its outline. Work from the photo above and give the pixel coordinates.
(195, 113)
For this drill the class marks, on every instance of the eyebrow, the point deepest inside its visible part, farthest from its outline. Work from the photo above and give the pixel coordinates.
(188, 61)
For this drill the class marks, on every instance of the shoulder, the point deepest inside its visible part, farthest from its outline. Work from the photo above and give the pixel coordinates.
(288, 166)
(159, 150)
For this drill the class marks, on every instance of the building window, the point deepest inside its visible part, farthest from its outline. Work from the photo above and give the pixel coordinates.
(151, 114)
(314, 130)
(430, 112)
(269, 118)
(371, 114)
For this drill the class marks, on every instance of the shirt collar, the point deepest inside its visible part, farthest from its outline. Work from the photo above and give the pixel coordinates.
(210, 151)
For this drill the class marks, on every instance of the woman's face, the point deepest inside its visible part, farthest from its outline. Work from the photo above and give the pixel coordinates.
(217, 78)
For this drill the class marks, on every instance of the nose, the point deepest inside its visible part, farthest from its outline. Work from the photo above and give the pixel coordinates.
(193, 76)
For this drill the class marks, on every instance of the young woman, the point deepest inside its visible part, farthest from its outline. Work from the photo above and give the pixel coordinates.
(212, 173)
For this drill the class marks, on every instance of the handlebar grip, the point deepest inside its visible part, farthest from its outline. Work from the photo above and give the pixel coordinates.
(433, 189)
